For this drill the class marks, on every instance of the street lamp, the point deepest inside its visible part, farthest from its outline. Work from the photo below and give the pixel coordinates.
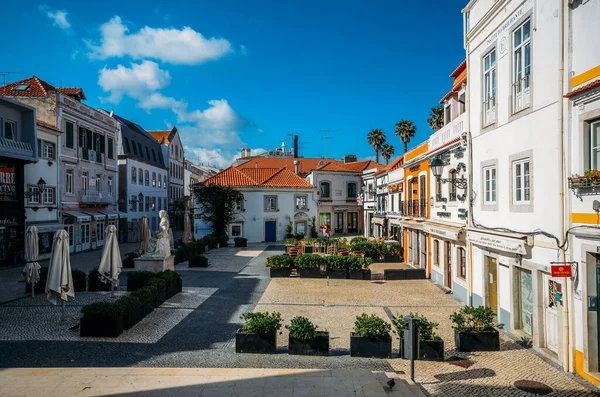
(41, 185)
(437, 167)
(140, 197)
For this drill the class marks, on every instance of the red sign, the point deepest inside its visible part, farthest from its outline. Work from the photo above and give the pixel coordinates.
(562, 271)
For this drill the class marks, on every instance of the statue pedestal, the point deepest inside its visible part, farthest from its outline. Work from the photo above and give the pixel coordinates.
(154, 264)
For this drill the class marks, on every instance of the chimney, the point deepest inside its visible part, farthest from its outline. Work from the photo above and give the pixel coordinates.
(248, 152)
(295, 146)
(296, 166)
(243, 152)
(283, 147)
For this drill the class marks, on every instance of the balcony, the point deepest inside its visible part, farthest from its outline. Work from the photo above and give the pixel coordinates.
(95, 198)
(91, 155)
(416, 208)
(22, 148)
(586, 185)
(449, 132)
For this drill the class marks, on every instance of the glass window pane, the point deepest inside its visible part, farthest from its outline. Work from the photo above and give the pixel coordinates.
(493, 58)
(527, 61)
(526, 30)
(517, 36)
(487, 63)
(526, 180)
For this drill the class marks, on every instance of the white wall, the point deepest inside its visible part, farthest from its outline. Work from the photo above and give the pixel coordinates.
(147, 191)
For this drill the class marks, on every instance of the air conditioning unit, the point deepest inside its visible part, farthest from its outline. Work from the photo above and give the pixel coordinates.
(92, 156)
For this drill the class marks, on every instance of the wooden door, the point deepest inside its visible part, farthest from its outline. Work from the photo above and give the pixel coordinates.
(492, 282)
(448, 261)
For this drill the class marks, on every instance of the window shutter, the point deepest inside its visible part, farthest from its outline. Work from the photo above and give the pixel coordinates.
(102, 141)
(90, 139)
(81, 136)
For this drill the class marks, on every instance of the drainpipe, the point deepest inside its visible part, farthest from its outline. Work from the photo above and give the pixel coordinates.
(470, 168)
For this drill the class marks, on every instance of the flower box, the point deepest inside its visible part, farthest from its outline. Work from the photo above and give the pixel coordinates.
(359, 274)
(318, 346)
(103, 328)
(133, 317)
(477, 341)
(377, 347)
(432, 350)
(160, 298)
(404, 274)
(336, 273)
(179, 285)
(246, 342)
(392, 258)
(309, 273)
(279, 272)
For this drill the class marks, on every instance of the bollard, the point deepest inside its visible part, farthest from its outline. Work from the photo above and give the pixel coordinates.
(411, 341)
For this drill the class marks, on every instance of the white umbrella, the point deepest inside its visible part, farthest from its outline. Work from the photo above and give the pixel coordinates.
(187, 228)
(59, 285)
(32, 267)
(144, 234)
(110, 264)
(171, 240)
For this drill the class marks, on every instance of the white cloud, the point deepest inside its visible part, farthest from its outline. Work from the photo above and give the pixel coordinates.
(177, 46)
(243, 50)
(140, 81)
(218, 157)
(58, 17)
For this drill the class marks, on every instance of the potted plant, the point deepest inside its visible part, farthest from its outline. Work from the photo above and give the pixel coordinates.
(240, 242)
(313, 227)
(147, 295)
(336, 266)
(259, 334)
(304, 339)
(132, 309)
(101, 319)
(79, 280)
(289, 230)
(279, 265)
(198, 261)
(392, 253)
(431, 346)
(136, 279)
(371, 337)
(475, 329)
(298, 235)
(94, 282)
(172, 279)
(128, 262)
(309, 265)
(160, 286)
(308, 245)
(359, 268)
(40, 286)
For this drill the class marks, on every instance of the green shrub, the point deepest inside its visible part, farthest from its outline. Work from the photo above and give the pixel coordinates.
(336, 262)
(359, 240)
(261, 323)
(158, 283)
(198, 261)
(240, 240)
(102, 311)
(281, 261)
(474, 319)
(355, 262)
(371, 326)
(302, 329)
(128, 303)
(427, 329)
(223, 240)
(298, 235)
(368, 248)
(291, 242)
(394, 249)
(146, 294)
(169, 276)
(137, 279)
(309, 261)
(79, 280)
(367, 262)
(94, 283)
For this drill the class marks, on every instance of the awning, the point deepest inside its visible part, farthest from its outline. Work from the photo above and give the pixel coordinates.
(412, 225)
(97, 216)
(79, 215)
(445, 231)
(395, 222)
(114, 214)
(515, 245)
(378, 221)
(47, 227)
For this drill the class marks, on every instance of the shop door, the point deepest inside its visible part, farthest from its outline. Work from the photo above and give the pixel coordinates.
(597, 295)
(85, 236)
(70, 232)
(270, 231)
(339, 222)
(352, 222)
(448, 261)
(551, 312)
(423, 238)
(492, 282)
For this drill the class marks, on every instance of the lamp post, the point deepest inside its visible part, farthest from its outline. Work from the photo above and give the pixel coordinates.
(41, 185)
(437, 167)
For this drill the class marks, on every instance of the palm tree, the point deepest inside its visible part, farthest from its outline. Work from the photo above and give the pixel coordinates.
(436, 118)
(405, 129)
(376, 138)
(387, 151)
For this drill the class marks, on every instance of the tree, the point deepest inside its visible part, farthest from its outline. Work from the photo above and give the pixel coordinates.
(405, 129)
(387, 151)
(376, 138)
(436, 118)
(217, 204)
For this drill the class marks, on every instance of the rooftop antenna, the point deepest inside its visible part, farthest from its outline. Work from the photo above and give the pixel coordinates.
(302, 144)
(291, 145)
(326, 137)
(4, 74)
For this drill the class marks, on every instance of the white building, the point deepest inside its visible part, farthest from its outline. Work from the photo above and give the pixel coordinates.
(143, 177)
(514, 100)
(368, 195)
(272, 198)
(395, 188)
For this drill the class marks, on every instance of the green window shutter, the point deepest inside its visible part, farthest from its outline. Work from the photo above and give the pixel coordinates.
(81, 136)
(90, 139)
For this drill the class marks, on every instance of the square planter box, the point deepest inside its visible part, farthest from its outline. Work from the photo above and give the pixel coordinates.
(256, 343)
(391, 258)
(309, 273)
(360, 274)
(415, 274)
(133, 317)
(319, 346)
(432, 350)
(477, 341)
(380, 347)
(374, 258)
(100, 327)
(160, 298)
(40, 287)
(179, 285)
(171, 290)
(404, 274)
(147, 307)
(336, 273)
(241, 245)
(277, 272)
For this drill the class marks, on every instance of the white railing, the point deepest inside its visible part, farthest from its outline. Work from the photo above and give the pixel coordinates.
(18, 146)
(521, 94)
(95, 197)
(489, 111)
(449, 132)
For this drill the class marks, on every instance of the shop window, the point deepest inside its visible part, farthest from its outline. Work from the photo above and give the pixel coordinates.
(525, 297)
(462, 257)
(110, 186)
(325, 190)
(301, 202)
(236, 230)
(436, 252)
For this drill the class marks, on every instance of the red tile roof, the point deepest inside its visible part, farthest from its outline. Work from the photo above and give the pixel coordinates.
(583, 88)
(48, 125)
(394, 165)
(37, 88)
(460, 78)
(304, 168)
(459, 69)
(264, 177)
(362, 165)
(161, 137)
(77, 92)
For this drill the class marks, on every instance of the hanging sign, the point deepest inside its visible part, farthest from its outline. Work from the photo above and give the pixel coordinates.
(512, 245)
(562, 270)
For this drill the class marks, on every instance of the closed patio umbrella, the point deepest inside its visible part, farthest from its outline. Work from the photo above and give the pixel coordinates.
(187, 228)
(144, 234)
(110, 263)
(59, 285)
(32, 267)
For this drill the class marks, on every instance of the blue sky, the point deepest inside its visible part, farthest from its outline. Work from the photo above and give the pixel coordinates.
(238, 73)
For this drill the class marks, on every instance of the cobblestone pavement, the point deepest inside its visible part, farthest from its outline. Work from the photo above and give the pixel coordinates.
(333, 305)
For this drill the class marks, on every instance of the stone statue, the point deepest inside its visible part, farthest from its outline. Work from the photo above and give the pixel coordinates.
(160, 244)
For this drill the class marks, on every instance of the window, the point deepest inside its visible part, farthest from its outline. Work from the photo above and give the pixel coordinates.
(452, 187)
(50, 195)
(140, 176)
(324, 219)
(140, 203)
(594, 142)
(100, 229)
(270, 203)
(489, 175)
(147, 203)
(140, 148)
(147, 177)
(159, 181)
(165, 181)
(447, 114)
(236, 230)
(69, 135)
(165, 203)
(98, 183)
(147, 153)
(352, 190)
(46, 150)
(301, 202)
(436, 252)
(133, 175)
(462, 262)
(154, 155)
(84, 183)
(521, 66)
(69, 181)
(489, 88)
(110, 186)
(154, 179)
(153, 204)
(10, 129)
(111, 154)
(34, 197)
(127, 145)
(325, 190)
(135, 152)
(461, 103)
(239, 205)
(521, 187)
(21, 87)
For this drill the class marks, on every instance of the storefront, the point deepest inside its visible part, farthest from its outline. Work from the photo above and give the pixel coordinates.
(379, 226)
(395, 230)
(12, 210)
(415, 244)
(78, 225)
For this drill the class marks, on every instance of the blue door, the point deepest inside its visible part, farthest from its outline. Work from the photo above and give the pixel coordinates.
(270, 231)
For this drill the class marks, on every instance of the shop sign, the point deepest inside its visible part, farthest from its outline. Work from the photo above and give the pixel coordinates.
(442, 232)
(511, 245)
(562, 270)
(8, 183)
(8, 221)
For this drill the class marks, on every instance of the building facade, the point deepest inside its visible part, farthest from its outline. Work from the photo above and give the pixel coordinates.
(368, 200)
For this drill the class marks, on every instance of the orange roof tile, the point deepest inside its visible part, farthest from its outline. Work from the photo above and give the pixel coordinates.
(305, 167)
(265, 177)
(459, 69)
(36, 88)
(48, 125)
(584, 88)
(333, 166)
(362, 165)
(459, 80)
(161, 137)
(286, 178)
(76, 92)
